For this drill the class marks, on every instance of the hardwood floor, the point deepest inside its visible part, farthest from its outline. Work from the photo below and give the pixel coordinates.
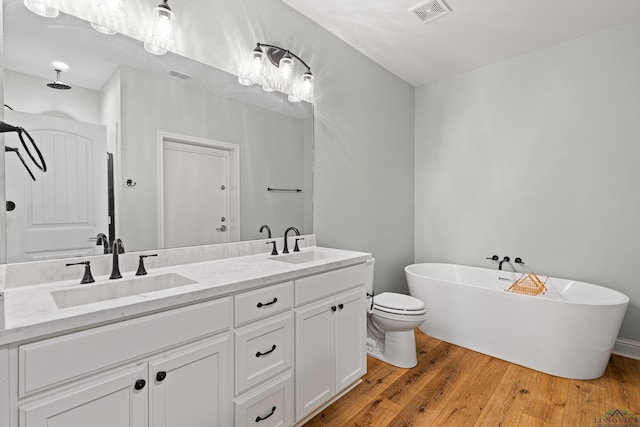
(453, 386)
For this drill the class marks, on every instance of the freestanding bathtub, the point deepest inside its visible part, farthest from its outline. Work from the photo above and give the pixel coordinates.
(569, 331)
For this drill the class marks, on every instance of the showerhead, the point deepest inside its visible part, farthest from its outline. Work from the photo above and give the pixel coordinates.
(58, 84)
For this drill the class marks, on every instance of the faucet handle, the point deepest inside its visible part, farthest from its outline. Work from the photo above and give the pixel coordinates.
(141, 270)
(518, 260)
(86, 277)
(275, 250)
(494, 258)
(296, 248)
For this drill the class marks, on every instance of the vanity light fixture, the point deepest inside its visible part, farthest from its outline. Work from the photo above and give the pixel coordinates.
(46, 8)
(162, 30)
(110, 11)
(255, 72)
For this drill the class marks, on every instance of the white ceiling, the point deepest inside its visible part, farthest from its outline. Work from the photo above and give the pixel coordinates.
(475, 33)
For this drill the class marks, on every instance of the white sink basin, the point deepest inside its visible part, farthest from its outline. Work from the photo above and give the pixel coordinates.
(302, 257)
(117, 289)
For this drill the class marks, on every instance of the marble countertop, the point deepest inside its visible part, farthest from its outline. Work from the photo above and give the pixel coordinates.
(31, 312)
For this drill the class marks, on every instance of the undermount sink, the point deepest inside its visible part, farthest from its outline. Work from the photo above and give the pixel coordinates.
(88, 294)
(302, 257)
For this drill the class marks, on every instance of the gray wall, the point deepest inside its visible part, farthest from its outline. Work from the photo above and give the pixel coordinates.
(363, 130)
(537, 157)
(271, 153)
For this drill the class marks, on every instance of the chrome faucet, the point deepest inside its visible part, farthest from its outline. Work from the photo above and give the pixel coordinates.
(505, 259)
(118, 248)
(286, 247)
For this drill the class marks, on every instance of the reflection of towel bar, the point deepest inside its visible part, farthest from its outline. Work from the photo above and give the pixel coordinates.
(285, 190)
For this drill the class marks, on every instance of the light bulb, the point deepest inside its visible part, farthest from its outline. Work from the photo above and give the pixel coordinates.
(46, 8)
(257, 64)
(307, 87)
(286, 67)
(162, 30)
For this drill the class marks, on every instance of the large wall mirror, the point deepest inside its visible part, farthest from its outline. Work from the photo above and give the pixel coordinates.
(195, 158)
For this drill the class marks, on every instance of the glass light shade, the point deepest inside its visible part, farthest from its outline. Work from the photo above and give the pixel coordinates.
(286, 67)
(102, 29)
(257, 65)
(115, 7)
(162, 31)
(307, 89)
(153, 49)
(46, 8)
(245, 80)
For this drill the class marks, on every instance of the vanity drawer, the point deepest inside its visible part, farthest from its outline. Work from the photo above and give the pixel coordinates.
(271, 406)
(48, 362)
(263, 351)
(313, 288)
(263, 302)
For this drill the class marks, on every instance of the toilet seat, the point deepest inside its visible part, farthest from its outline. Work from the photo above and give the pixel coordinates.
(398, 304)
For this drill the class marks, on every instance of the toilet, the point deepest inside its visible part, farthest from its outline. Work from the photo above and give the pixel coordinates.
(391, 319)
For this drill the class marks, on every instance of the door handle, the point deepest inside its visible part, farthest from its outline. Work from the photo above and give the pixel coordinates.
(222, 228)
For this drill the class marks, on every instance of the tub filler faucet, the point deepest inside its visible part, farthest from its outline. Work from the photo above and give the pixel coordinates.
(505, 259)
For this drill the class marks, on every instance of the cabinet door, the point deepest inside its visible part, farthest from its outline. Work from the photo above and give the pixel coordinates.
(315, 356)
(350, 329)
(110, 401)
(192, 387)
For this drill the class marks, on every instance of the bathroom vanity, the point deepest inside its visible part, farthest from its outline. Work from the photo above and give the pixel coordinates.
(249, 340)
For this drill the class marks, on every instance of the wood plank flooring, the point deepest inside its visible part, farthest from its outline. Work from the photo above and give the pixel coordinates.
(453, 386)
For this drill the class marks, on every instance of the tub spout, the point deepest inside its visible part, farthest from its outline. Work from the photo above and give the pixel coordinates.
(505, 259)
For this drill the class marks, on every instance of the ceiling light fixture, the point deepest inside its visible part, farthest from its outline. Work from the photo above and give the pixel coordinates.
(162, 30)
(46, 8)
(255, 72)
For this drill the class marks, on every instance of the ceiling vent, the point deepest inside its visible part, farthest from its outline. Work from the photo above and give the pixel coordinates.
(179, 75)
(430, 10)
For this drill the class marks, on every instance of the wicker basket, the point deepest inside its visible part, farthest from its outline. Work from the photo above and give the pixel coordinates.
(528, 285)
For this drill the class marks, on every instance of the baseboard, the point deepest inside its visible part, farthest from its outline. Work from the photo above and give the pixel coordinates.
(627, 348)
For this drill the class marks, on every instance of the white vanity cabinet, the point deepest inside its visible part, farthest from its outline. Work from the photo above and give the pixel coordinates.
(121, 374)
(264, 357)
(330, 336)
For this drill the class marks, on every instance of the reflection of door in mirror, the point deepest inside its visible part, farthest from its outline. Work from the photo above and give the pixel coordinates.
(198, 190)
(58, 214)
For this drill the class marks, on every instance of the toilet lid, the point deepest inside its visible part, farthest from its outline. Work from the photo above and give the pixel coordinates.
(400, 302)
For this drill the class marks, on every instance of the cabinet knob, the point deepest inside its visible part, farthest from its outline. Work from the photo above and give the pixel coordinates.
(160, 376)
(340, 306)
(139, 385)
(273, 410)
(334, 308)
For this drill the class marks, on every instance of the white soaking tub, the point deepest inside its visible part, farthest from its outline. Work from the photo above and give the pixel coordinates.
(569, 331)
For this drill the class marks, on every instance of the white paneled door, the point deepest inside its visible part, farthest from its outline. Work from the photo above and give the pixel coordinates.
(199, 192)
(57, 214)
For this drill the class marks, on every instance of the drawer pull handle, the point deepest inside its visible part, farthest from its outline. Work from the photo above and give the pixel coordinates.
(273, 410)
(273, 348)
(160, 376)
(340, 306)
(139, 385)
(260, 305)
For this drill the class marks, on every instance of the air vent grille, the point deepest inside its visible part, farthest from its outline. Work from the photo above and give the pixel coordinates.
(179, 75)
(430, 10)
